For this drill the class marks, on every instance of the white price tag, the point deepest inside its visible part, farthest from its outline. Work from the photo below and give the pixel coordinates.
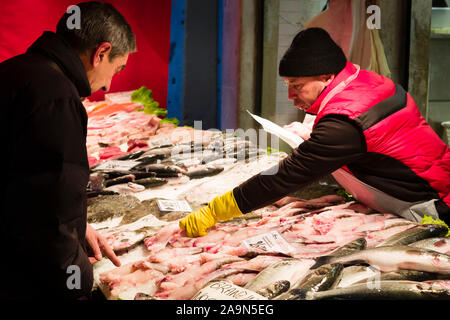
(174, 205)
(270, 242)
(222, 290)
(117, 165)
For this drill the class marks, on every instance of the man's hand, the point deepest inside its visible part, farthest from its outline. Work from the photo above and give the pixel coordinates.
(99, 246)
(298, 129)
(197, 223)
(221, 208)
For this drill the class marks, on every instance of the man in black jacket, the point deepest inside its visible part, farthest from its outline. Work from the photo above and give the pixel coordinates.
(43, 226)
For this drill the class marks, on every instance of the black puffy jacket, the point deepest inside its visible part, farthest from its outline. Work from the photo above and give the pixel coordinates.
(45, 173)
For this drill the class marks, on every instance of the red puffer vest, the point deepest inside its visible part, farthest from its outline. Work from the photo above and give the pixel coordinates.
(391, 123)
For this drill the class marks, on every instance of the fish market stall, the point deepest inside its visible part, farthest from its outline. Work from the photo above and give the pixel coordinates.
(146, 175)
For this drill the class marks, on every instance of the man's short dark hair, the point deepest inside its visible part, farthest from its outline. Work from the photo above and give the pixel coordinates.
(100, 22)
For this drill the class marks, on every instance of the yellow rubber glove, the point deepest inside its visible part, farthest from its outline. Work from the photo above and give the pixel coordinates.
(220, 208)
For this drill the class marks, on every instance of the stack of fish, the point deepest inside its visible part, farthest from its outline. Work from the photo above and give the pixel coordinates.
(295, 249)
(163, 161)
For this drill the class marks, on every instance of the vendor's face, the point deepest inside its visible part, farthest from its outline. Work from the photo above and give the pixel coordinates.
(101, 70)
(303, 91)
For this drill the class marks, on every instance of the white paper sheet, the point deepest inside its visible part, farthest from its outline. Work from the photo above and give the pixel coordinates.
(291, 139)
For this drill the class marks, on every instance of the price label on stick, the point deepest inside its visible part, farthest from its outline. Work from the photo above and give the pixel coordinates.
(117, 165)
(173, 205)
(270, 242)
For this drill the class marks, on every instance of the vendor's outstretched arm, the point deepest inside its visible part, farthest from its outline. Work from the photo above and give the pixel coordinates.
(334, 142)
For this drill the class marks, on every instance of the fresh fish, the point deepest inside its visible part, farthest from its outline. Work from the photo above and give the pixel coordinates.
(119, 180)
(144, 208)
(291, 270)
(411, 275)
(162, 168)
(166, 151)
(148, 159)
(168, 175)
(356, 274)
(203, 171)
(210, 156)
(188, 163)
(143, 296)
(320, 279)
(395, 258)
(362, 274)
(441, 245)
(106, 207)
(349, 248)
(415, 234)
(131, 156)
(404, 290)
(150, 206)
(181, 149)
(151, 182)
(125, 188)
(142, 175)
(275, 289)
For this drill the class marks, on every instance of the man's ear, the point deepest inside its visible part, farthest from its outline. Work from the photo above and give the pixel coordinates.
(100, 53)
(327, 78)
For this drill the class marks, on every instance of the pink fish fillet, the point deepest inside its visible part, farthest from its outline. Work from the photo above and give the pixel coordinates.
(256, 264)
(159, 240)
(133, 279)
(166, 255)
(186, 280)
(193, 285)
(213, 237)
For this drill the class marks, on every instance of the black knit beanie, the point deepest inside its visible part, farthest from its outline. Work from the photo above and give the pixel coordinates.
(312, 53)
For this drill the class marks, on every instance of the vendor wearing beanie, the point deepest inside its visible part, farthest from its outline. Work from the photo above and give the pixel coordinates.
(368, 133)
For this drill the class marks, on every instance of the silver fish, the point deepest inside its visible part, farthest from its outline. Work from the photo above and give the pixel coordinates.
(275, 289)
(362, 274)
(356, 274)
(320, 279)
(411, 275)
(405, 290)
(441, 245)
(151, 182)
(394, 258)
(159, 151)
(414, 234)
(288, 269)
(203, 171)
(349, 248)
(119, 180)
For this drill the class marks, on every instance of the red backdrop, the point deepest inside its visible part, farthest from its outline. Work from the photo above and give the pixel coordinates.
(23, 21)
